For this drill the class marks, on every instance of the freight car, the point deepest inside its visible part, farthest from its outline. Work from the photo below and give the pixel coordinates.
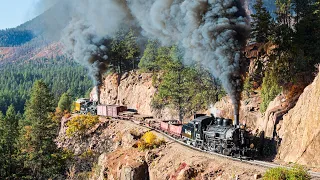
(171, 127)
(110, 110)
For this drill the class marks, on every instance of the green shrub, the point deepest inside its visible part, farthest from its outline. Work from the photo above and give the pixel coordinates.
(80, 124)
(247, 86)
(280, 173)
(270, 89)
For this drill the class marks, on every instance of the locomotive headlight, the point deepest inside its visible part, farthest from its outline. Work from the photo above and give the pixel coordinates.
(251, 145)
(241, 126)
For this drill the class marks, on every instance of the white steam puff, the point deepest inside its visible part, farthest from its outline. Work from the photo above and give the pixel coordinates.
(211, 32)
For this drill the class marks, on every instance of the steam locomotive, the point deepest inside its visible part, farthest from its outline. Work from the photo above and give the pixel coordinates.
(218, 135)
(209, 133)
(85, 106)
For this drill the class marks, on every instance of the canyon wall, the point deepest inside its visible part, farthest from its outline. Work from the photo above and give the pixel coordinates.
(300, 130)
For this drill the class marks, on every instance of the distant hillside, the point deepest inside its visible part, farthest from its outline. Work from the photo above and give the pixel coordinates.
(35, 38)
(60, 73)
(15, 37)
(30, 51)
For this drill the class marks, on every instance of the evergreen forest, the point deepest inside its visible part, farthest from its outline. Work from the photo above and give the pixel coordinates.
(60, 73)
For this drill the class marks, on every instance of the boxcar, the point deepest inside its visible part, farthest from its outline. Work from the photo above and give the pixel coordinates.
(113, 110)
(102, 110)
(164, 126)
(123, 108)
(110, 110)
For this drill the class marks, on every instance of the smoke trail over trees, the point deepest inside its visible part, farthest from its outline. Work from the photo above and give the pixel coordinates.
(211, 32)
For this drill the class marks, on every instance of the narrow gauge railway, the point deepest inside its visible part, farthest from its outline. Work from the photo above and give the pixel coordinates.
(206, 134)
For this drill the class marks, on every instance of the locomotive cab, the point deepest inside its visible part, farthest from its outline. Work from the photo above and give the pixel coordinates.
(192, 133)
(79, 104)
(85, 106)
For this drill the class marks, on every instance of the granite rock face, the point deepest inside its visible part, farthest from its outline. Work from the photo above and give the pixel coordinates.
(300, 130)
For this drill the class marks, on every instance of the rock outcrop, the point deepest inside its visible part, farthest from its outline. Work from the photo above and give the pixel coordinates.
(249, 110)
(300, 130)
(135, 91)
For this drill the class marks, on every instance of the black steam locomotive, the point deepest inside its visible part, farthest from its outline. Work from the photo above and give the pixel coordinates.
(219, 135)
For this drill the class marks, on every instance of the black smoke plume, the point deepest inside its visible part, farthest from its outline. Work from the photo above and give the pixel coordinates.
(211, 32)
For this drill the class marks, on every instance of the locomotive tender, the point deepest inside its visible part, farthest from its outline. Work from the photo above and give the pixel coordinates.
(210, 133)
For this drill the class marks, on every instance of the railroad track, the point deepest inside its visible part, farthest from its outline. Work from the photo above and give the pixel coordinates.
(252, 162)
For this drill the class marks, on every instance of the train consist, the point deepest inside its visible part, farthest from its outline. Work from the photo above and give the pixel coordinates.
(210, 133)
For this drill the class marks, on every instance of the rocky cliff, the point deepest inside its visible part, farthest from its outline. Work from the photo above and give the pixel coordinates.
(300, 130)
(293, 125)
(296, 130)
(135, 91)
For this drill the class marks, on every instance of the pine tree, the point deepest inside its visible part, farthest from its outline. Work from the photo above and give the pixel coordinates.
(65, 102)
(38, 150)
(148, 61)
(261, 23)
(2, 146)
(124, 52)
(284, 16)
(9, 134)
(307, 35)
(302, 8)
(131, 49)
(182, 88)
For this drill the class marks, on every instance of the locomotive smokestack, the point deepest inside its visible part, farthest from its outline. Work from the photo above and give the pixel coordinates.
(98, 94)
(236, 120)
(236, 114)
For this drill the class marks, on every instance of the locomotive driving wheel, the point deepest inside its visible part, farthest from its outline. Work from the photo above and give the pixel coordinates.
(225, 150)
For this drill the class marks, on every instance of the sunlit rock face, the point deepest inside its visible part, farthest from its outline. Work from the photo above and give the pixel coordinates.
(300, 131)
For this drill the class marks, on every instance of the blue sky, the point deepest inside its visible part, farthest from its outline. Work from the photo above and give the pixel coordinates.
(16, 12)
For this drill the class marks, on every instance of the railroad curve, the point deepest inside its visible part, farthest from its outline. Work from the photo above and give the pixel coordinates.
(252, 162)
